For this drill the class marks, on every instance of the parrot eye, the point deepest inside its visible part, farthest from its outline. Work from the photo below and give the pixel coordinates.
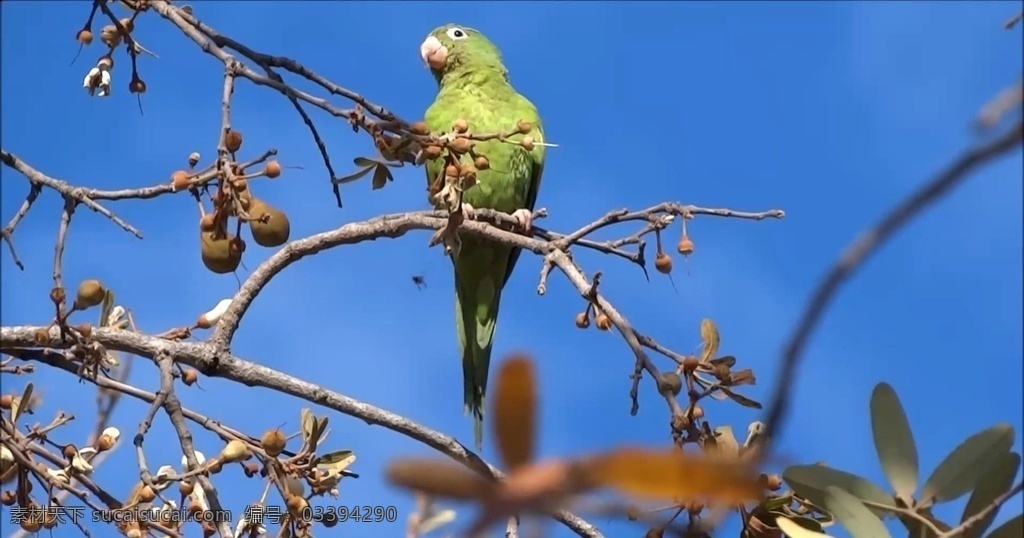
(456, 33)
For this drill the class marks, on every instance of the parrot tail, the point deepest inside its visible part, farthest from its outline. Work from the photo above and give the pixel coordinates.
(477, 294)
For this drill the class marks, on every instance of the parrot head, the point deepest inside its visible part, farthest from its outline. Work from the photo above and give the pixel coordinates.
(457, 49)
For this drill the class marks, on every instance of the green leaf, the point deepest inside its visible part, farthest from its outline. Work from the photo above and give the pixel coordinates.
(990, 486)
(106, 307)
(18, 406)
(363, 161)
(894, 441)
(1013, 528)
(353, 176)
(805, 522)
(958, 473)
(794, 530)
(381, 176)
(811, 482)
(853, 515)
(333, 457)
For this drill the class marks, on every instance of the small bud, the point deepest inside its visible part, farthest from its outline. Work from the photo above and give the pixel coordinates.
(690, 363)
(663, 263)
(185, 487)
(90, 293)
(189, 377)
(685, 246)
(670, 382)
(108, 439)
(272, 170)
(524, 127)
(583, 320)
(461, 145)
(481, 163)
(296, 504)
(460, 126)
(680, 423)
(451, 171)
(180, 180)
(527, 143)
(84, 36)
(604, 323)
(273, 442)
(233, 141)
(8, 498)
(698, 412)
(58, 295)
(419, 128)
(69, 451)
(105, 62)
(128, 24)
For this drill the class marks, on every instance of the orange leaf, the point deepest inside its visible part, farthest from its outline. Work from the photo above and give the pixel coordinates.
(673, 475)
(514, 408)
(439, 478)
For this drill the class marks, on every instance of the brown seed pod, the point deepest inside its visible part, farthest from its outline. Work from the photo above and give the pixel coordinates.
(656, 532)
(6, 401)
(185, 487)
(240, 185)
(58, 295)
(31, 524)
(237, 245)
(582, 320)
(685, 246)
(272, 169)
(105, 443)
(137, 85)
(670, 382)
(273, 442)
(481, 163)
(217, 254)
(527, 143)
(680, 423)
(69, 452)
(90, 293)
(772, 482)
(432, 152)
(41, 336)
(295, 504)
(84, 36)
(524, 127)
(461, 145)
(460, 126)
(272, 233)
(451, 170)
(663, 263)
(233, 141)
(180, 180)
(698, 412)
(8, 498)
(128, 24)
(604, 322)
(690, 363)
(146, 494)
(419, 128)
(189, 377)
(207, 222)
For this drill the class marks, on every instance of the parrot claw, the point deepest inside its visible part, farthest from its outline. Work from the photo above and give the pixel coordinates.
(525, 219)
(468, 211)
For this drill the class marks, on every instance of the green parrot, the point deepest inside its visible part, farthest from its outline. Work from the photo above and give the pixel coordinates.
(473, 85)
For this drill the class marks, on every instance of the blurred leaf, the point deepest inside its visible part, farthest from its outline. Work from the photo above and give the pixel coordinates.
(916, 528)
(811, 481)
(740, 399)
(794, 530)
(353, 176)
(18, 405)
(106, 307)
(308, 423)
(709, 334)
(514, 411)
(381, 176)
(958, 473)
(894, 441)
(805, 522)
(853, 515)
(333, 457)
(727, 360)
(667, 474)
(433, 522)
(1013, 528)
(363, 161)
(438, 478)
(990, 486)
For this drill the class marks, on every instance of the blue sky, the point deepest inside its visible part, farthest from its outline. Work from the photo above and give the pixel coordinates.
(831, 111)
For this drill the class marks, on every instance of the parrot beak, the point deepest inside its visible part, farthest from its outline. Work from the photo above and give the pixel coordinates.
(433, 53)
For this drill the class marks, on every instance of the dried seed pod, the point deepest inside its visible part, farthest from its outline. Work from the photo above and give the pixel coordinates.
(431, 152)
(189, 377)
(481, 163)
(419, 128)
(698, 412)
(8, 498)
(685, 246)
(690, 363)
(137, 85)
(217, 254)
(146, 494)
(583, 320)
(233, 141)
(604, 322)
(461, 145)
(110, 36)
(85, 329)
(84, 36)
(69, 451)
(180, 180)
(460, 126)
(90, 293)
(234, 451)
(527, 143)
(670, 382)
(6, 401)
(185, 487)
(524, 127)
(272, 233)
(207, 222)
(663, 263)
(128, 24)
(273, 442)
(272, 169)
(451, 170)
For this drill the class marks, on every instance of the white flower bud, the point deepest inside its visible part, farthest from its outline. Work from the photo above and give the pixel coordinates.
(211, 318)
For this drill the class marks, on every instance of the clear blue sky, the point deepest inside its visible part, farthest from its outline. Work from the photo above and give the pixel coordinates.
(831, 111)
